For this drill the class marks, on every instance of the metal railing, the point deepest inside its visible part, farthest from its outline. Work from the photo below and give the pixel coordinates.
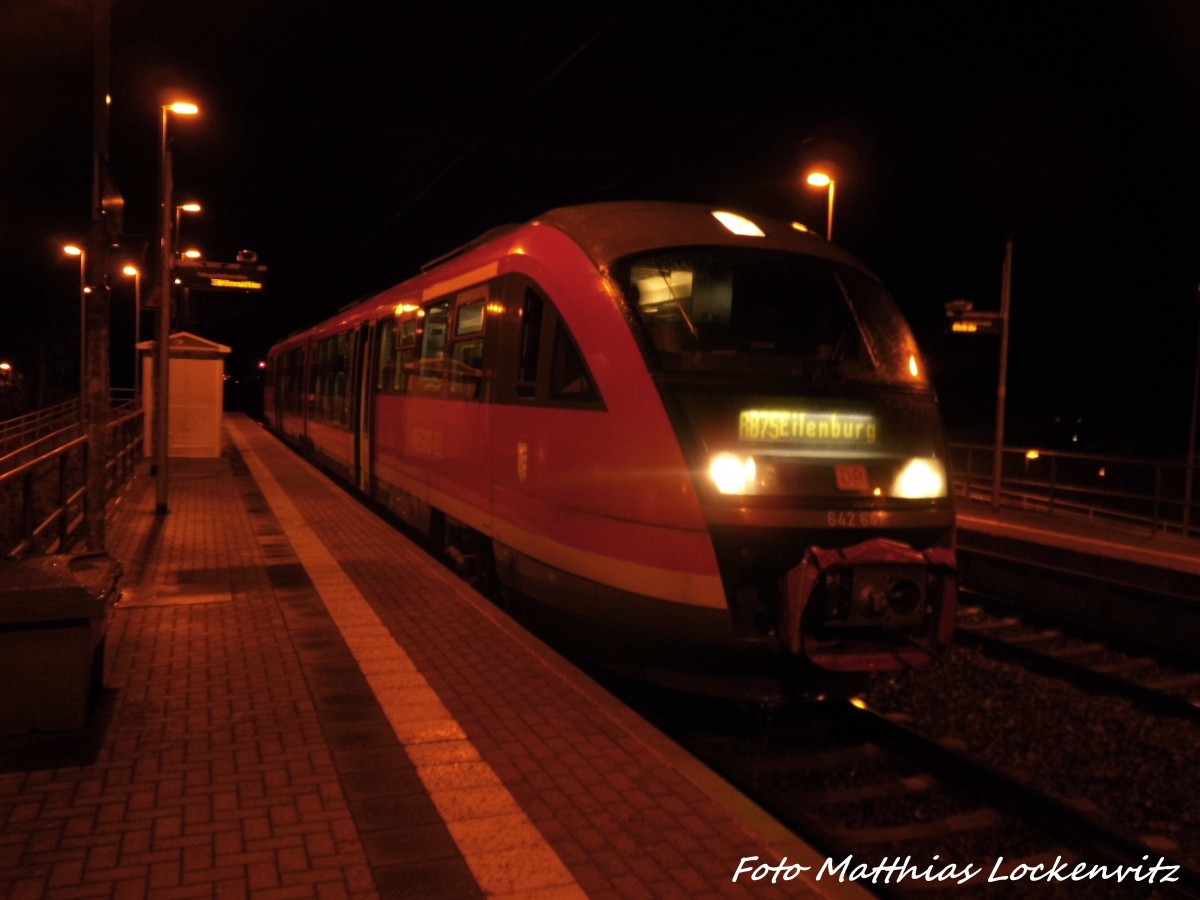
(20, 433)
(43, 482)
(1140, 493)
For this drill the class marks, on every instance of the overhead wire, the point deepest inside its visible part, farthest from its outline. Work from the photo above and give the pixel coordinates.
(488, 132)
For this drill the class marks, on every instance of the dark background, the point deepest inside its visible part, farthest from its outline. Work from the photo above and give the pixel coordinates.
(347, 143)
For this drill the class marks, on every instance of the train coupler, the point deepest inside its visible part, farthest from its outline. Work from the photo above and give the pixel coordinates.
(880, 585)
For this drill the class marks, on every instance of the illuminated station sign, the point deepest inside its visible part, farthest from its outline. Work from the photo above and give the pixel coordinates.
(202, 274)
(962, 318)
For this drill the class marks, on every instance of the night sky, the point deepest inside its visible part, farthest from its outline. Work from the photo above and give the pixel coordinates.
(348, 143)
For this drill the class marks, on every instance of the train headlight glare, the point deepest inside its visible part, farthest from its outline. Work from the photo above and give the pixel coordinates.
(732, 474)
(920, 479)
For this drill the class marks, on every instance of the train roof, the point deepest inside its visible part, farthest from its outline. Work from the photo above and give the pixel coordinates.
(609, 231)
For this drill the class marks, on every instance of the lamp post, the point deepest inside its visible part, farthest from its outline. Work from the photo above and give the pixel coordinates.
(136, 274)
(1002, 381)
(74, 250)
(1190, 462)
(821, 179)
(166, 258)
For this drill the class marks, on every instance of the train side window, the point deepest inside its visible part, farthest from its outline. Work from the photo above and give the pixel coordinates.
(291, 381)
(569, 377)
(406, 353)
(387, 360)
(431, 367)
(531, 342)
(330, 399)
(468, 319)
(465, 365)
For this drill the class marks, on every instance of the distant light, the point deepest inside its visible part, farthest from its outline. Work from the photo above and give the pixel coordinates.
(819, 179)
(262, 364)
(1101, 473)
(130, 270)
(72, 250)
(192, 254)
(799, 226)
(738, 224)
(912, 366)
(1032, 454)
(858, 702)
(4, 367)
(183, 108)
(191, 207)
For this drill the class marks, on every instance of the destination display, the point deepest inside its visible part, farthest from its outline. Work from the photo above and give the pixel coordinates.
(805, 427)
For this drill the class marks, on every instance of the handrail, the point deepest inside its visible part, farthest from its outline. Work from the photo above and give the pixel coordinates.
(44, 490)
(1121, 490)
(18, 430)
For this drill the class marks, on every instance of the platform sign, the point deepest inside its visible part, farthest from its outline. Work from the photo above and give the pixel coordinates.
(971, 322)
(976, 323)
(205, 275)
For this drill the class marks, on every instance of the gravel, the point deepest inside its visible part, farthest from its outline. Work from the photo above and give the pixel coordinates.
(1137, 771)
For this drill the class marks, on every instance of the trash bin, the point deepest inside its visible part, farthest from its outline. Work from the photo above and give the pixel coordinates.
(53, 614)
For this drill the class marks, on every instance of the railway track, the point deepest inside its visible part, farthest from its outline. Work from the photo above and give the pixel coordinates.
(1159, 681)
(910, 814)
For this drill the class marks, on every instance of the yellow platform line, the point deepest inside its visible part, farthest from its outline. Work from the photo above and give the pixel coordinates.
(505, 851)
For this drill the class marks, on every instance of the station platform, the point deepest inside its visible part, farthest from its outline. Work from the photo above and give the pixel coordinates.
(298, 702)
(1150, 547)
(1134, 582)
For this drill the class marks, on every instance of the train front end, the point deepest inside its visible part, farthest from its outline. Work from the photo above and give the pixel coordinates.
(803, 409)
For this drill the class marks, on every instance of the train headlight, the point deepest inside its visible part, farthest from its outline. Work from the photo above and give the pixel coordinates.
(733, 474)
(920, 479)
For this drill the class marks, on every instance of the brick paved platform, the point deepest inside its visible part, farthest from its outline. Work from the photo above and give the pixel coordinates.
(299, 703)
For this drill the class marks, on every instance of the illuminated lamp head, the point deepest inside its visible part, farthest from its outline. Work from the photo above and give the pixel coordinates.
(732, 474)
(920, 479)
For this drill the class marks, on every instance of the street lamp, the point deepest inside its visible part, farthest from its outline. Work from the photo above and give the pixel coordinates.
(165, 277)
(136, 274)
(74, 250)
(821, 179)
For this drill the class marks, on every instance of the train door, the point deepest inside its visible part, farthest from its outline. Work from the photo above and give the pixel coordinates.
(364, 395)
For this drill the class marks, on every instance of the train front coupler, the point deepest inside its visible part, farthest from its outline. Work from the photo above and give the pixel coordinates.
(879, 604)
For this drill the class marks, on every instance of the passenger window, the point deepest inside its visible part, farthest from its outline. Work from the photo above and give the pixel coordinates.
(466, 351)
(431, 369)
(569, 378)
(531, 341)
(469, 319)
(406, 353)
(387, 360)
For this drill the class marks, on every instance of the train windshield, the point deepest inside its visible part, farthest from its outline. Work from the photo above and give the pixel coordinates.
(726, 310)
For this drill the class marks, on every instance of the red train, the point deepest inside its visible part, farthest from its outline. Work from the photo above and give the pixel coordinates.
(700, 446)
